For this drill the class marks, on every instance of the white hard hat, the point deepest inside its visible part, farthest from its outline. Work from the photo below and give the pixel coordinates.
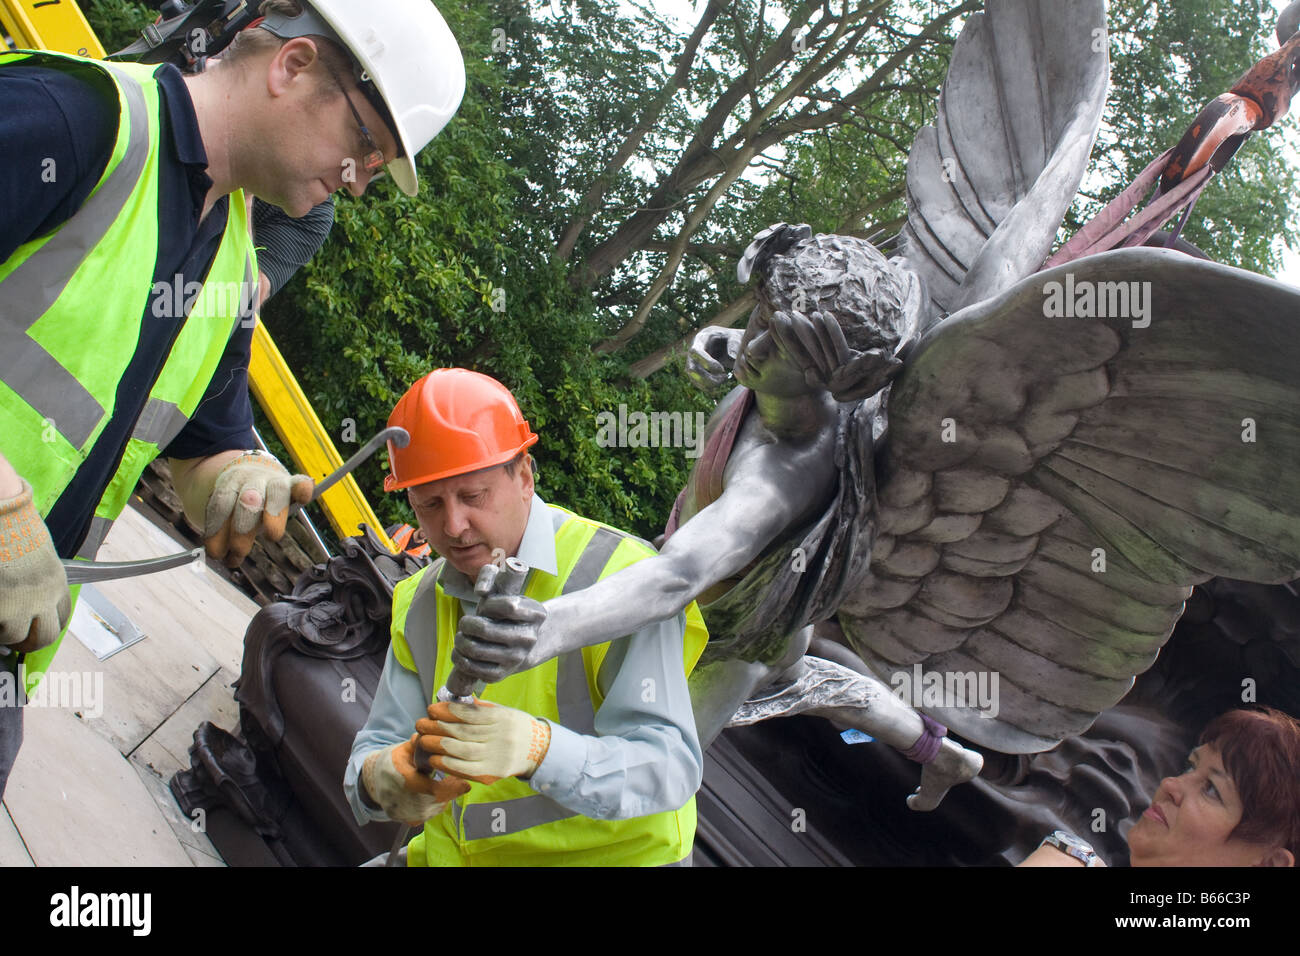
(406, 50)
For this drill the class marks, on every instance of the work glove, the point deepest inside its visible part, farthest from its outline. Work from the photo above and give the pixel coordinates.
(34, 600)
(497, 639)
(405, 794)
(483, 741)
(251, 494)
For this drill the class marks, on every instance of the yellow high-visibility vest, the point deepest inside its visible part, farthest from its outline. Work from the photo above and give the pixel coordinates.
(507, 823)
(72, 305)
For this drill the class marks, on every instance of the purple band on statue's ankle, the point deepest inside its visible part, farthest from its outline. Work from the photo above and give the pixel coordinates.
(927, 745)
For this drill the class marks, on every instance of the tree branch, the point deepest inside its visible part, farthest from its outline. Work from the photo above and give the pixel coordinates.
(675, 253)
(854, 220)
(639, 229)
(699, 248)
(596, 192)
(702, 161)
(728, 317)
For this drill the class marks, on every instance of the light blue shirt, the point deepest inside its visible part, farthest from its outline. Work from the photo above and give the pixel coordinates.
(645, 756)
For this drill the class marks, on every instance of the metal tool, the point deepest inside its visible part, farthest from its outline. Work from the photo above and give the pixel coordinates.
(506, 577)
(89, 572)
(398, 436)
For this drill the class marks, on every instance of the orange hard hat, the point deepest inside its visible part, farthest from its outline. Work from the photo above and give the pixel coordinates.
(459, 421)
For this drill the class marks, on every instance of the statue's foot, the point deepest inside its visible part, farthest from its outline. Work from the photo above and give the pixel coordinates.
(954, 764)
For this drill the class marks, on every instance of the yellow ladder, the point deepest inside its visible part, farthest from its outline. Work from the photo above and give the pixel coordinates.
(49, 25)
(295, 421)
(59, 25)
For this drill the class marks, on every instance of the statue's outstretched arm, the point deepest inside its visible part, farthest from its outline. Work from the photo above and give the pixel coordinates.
(715, 544)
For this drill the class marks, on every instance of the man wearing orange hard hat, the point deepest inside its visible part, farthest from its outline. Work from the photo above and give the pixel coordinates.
(590, 758)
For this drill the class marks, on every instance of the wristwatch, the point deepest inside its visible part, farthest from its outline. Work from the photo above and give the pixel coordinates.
(1071, 845)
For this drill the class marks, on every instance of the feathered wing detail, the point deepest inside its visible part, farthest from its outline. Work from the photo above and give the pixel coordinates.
(1051, 487)
(989, 183)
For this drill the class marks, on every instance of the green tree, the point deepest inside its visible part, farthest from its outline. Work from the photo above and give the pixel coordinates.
(117, 23)
(1167, 62)
(582, 215)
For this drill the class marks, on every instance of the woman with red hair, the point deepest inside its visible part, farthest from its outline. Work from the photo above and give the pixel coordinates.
(1237, 802)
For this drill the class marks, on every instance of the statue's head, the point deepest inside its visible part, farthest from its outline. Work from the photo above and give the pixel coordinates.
(875, 302)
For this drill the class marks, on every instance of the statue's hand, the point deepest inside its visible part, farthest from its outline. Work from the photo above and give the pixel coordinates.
(502, 638)
(864, 375)
(816, 343)
(712, 354)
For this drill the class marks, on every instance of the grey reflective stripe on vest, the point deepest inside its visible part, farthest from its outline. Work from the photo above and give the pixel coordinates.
(32, 373)
(483, 820)
(99, 528)
(424, 651)
(159, 423)
(572, 695)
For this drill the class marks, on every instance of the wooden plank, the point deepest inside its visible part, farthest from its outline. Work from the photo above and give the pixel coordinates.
(211, 609)
(214, 701)
(77, 802)
(12, 851)
(199, 858)
(156, 766)
(194, 622)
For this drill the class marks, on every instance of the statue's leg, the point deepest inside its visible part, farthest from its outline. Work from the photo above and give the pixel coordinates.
(953, 764)
(833, 691)
(893, 722)
(720, 688)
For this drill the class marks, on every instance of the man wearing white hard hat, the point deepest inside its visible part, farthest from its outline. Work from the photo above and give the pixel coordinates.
(127, 274)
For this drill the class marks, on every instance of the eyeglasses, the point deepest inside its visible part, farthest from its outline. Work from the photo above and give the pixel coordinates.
(374, 159)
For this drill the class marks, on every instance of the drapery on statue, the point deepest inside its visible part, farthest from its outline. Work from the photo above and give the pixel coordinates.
(960, 463)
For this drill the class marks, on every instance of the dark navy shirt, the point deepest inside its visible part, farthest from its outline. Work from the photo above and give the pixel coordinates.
(69, 119)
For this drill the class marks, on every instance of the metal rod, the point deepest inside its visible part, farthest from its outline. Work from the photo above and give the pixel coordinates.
(398, 436)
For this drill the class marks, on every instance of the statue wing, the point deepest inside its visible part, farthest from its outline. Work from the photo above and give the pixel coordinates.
(1050, 488)
(990, 181)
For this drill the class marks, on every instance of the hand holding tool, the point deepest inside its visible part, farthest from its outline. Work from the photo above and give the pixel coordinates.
(251, 494)
(483, 741)
(494, 579)
(405, 794)
(34, 599)
(88, 572)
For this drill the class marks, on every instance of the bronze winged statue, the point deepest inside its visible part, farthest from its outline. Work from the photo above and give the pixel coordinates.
(959, 462)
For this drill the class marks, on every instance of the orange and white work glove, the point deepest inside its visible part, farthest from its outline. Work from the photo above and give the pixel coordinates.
(405, 794)
(34, 600)
(483, 741)
(252, 493)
